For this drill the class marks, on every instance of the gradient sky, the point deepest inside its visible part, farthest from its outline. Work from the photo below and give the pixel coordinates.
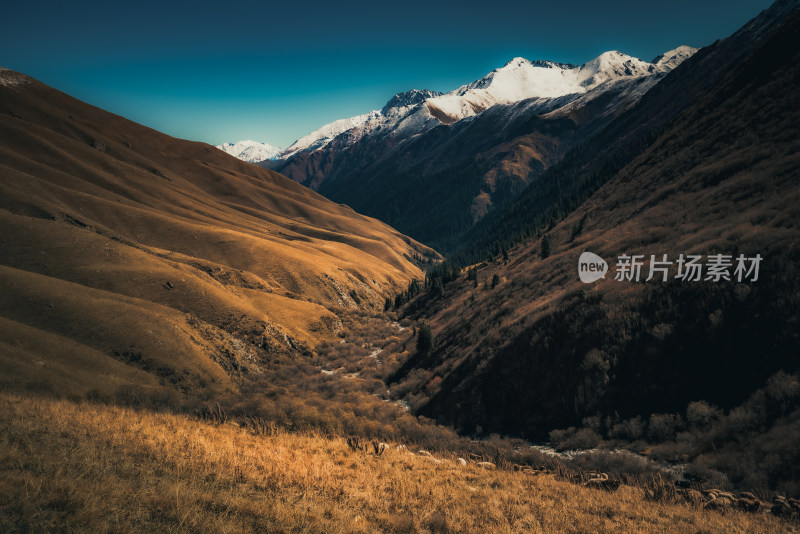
(216, 71)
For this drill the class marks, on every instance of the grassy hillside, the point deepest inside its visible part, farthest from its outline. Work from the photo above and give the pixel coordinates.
(131, 257)
(90, 467)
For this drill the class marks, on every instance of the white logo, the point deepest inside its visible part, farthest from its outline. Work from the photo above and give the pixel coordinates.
(591, 267)
(688, 268)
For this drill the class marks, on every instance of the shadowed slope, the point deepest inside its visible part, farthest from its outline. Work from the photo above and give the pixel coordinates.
(538, 349)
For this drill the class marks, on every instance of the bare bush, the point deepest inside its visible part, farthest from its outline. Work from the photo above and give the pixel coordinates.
(212, 412)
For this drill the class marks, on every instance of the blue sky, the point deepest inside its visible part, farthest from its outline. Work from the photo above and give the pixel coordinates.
(215, 72)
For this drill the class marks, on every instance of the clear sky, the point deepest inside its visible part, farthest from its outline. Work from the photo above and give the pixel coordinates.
(225, 71)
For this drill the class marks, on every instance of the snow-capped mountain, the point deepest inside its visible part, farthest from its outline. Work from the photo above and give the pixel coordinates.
(251, 151)
(322, 136)
(416, 111)
(433, 165)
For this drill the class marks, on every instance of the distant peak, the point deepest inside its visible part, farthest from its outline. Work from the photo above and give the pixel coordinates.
(546, 63)
(516, 62)
(675, 56)
(613, 55)
(249, 150)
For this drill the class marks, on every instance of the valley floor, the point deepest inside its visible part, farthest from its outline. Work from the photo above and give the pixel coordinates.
(83, 467)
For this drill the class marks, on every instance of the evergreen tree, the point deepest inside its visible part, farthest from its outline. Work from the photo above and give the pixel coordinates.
(578, 230)
(425, 340)
(546, 246)
(472, 275)
(437, 288)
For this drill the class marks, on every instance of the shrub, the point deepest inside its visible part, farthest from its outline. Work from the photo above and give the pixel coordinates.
(663, 427)
(561, 435)
(617, 462)
(700, 414)
(784, 389)
(632, 429)
(98, 396)
(582, 439)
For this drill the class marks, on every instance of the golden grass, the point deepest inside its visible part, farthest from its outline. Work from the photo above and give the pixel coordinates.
(123, 244)
(33, 358)
(93, 468)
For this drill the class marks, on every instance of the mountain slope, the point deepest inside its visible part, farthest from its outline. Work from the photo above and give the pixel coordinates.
(535, 349)
(596, 159)
(159, 261)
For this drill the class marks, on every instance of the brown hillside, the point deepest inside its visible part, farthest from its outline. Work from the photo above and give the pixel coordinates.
(131, 256)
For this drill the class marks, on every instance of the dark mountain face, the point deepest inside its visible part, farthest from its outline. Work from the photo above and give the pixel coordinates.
(590, 164)
(707, 162)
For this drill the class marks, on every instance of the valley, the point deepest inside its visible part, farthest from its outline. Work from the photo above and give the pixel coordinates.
(382, 327)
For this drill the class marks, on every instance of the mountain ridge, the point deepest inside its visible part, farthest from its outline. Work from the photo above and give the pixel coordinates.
(463, 101)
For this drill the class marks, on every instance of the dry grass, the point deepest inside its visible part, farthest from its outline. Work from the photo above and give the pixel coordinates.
(94, 468)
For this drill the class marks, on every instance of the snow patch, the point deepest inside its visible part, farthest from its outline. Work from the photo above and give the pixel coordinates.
(10, 78)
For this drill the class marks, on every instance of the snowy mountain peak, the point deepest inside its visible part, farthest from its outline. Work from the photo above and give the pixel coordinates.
(612, 64)
(251, 151)
(521, 62)
(516, 63)
(409, 98)
(611, 60)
